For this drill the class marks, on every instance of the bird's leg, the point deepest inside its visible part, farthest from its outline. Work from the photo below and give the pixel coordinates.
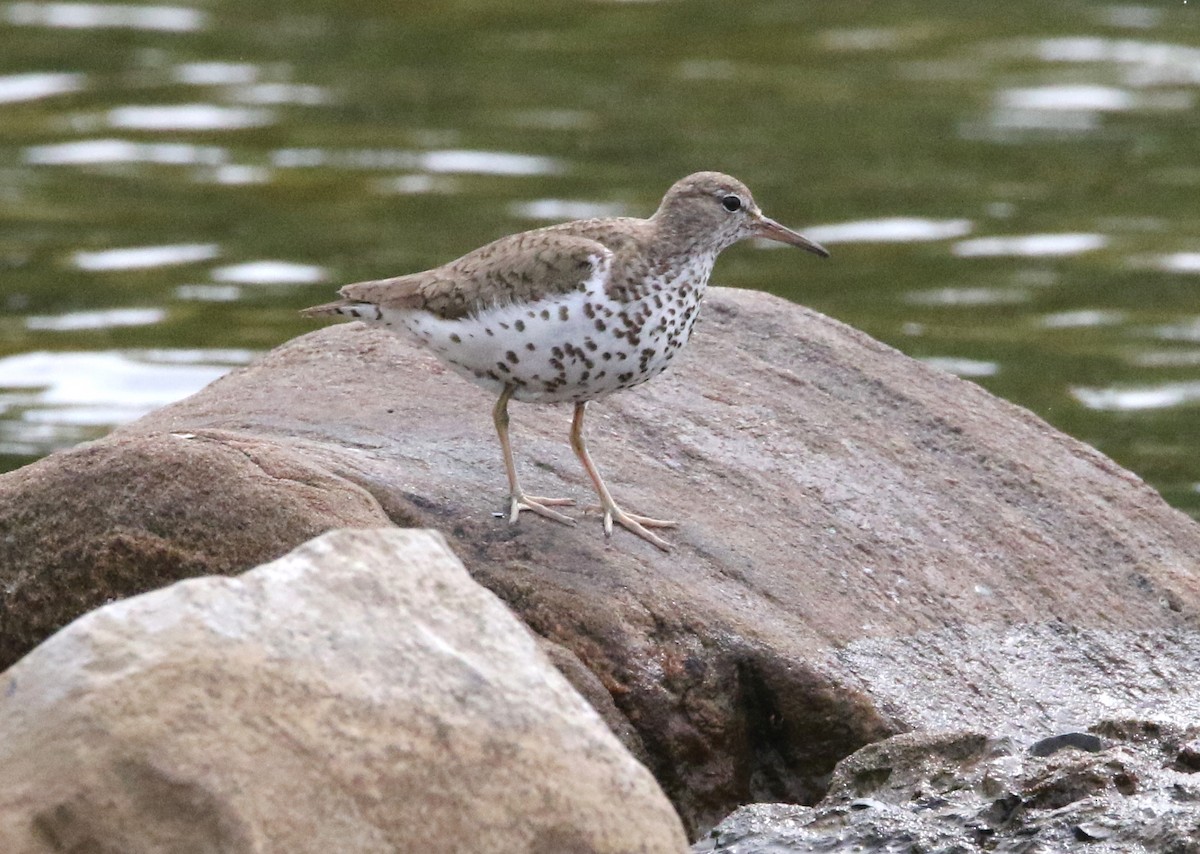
(518, 500)
(612, 512)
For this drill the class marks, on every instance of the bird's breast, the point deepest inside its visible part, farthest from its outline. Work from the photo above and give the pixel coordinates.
(569, 347)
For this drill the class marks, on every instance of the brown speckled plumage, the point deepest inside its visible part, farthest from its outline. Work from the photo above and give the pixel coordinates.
(572, 312)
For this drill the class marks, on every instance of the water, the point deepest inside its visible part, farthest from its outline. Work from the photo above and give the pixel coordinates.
(1010, 191)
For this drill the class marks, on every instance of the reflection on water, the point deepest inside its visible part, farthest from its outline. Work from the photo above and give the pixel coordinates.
(85, 16)
(418, 184)
(77, 320)
(280, 93)
(1140, 63)
(215, 73)
(45, 396)
(1080, 97)
(235, 173)
(34, 85)
(187, 117)
(98, 151)
(1166, 359)
(143, 257)
(1083, 317)
(1061, 108)
(898, 229)
(270, 273)
(1075, 106)
(464, 162)
(1180, 262)
(1184, 330)
(1031, 245)
(976, 296)
(486, 163)
(963, 367)
(1153, 397)
(208, 293)
(564, 209)
(1011, 188)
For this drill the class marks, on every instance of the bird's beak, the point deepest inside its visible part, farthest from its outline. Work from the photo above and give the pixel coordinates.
(771, 230)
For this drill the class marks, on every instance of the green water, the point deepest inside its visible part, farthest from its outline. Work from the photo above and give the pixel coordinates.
(338, 141)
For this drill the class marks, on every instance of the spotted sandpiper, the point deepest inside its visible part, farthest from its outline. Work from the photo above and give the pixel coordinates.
(572, 312)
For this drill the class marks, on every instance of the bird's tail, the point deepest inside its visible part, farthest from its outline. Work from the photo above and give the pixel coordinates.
(345, 308)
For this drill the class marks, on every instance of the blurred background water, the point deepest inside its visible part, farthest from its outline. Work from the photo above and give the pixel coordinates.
(1011, 190)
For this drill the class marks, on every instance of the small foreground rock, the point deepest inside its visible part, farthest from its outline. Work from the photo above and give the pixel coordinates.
(966, 793)
(361, 694)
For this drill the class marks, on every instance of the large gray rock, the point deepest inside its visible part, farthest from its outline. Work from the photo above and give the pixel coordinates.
(1127, 787)
(361, 694)
(865, 541)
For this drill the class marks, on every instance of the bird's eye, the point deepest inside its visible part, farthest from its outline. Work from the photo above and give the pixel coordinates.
(731, 203)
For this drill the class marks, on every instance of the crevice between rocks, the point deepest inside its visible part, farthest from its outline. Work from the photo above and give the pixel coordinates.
(732, 724)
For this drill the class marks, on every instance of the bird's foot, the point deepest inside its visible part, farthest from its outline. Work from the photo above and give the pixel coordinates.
(540, 506)
(637, 525)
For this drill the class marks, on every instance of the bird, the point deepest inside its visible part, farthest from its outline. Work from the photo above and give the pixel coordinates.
(572, 313)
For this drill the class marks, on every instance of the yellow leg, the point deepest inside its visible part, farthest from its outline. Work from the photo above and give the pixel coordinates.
(518, 500)
(612, 512)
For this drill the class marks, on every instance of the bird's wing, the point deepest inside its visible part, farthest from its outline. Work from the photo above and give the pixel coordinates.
(519, 268)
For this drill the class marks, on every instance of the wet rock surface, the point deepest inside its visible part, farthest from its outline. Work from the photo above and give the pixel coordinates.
(361, 694)
(868, 545)
(967, 792)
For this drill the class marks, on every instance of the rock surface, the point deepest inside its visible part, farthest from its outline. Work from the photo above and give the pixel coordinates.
(1130, 790)
(361, 694)
(131, 513)
(868, 545)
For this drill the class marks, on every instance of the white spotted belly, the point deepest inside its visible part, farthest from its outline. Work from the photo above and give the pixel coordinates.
(574, 347)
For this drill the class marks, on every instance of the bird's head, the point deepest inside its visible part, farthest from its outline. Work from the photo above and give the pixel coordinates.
(718, 209)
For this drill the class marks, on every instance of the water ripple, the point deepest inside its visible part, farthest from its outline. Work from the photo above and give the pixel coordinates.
(562, 209)
(36, 85)
(489, 163)
(968, 296)
(170, 117)
(1180, 262)
(1145, 63)
(1076, 96)
(1183, 330)
(1131, 399)
(79, 320)
(93, 16)
(99, 388)
(890, 230)
(144, 257)
(963, 367)
(270, 273)
(89, 152)
(442, 161)
(1083, 317)
(208, 293)
(1031, 245)
(281, 93)
(215, 73)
